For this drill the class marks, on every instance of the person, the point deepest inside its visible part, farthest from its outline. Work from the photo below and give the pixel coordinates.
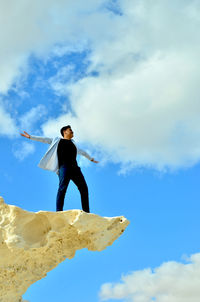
(61, 158)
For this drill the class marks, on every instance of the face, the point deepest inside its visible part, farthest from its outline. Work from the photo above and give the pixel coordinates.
(69, 133)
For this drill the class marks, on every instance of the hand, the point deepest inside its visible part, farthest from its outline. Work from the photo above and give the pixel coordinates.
(94, 161)
(25, 134)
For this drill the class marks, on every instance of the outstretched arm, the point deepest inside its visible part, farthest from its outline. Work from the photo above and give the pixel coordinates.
(86, 155)
(45, 140)
(94, 161)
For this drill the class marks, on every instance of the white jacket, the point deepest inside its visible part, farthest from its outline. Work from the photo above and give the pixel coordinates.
(50, 160)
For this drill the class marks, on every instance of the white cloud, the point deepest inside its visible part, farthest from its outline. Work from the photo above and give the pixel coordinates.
(7, 124)
(143, 108)
(33, 27)
(22, 150)
(171, 282)
(29, 119)
(58, 81)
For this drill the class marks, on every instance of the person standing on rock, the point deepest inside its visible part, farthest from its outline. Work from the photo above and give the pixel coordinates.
(61, 158)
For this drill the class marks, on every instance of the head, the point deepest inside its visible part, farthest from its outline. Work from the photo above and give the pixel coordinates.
(66, 132)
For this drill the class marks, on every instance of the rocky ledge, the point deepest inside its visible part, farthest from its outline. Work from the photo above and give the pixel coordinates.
(32, 244)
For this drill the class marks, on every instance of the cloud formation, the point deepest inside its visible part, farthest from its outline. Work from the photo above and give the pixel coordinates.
(138, 101)
(171, 282)
(28, 27)
(22, 150)
(29, 119)
(7, 124)
(35, 28)
(143, 107)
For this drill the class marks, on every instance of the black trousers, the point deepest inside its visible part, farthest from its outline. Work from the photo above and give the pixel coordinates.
(65, 175)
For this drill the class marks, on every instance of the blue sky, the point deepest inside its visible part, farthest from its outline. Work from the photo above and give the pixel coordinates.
(125, 75)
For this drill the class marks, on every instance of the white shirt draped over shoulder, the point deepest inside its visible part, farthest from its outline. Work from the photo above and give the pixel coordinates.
(50, 159)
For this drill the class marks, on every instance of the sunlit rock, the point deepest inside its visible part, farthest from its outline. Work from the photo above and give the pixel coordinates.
(32, 244)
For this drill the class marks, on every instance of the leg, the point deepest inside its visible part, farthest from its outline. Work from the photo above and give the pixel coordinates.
(79, 180)
(64, 179)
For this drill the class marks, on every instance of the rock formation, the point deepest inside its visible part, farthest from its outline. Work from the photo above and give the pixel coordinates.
(32, 244)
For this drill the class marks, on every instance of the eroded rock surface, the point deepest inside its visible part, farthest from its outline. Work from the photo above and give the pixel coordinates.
(32, 244)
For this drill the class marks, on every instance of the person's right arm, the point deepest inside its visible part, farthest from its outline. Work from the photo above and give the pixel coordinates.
(46, 140)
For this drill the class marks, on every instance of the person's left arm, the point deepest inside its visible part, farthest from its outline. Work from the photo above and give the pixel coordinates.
(82, 152)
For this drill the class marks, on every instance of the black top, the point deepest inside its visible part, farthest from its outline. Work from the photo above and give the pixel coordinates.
(67, 153)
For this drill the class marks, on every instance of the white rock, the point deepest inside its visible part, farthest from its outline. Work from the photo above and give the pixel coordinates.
(32, 244)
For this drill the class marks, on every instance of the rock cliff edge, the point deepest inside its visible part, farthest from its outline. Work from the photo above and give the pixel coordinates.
(32, 244)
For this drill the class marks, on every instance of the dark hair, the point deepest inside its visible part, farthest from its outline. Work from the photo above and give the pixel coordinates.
(63, 129)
